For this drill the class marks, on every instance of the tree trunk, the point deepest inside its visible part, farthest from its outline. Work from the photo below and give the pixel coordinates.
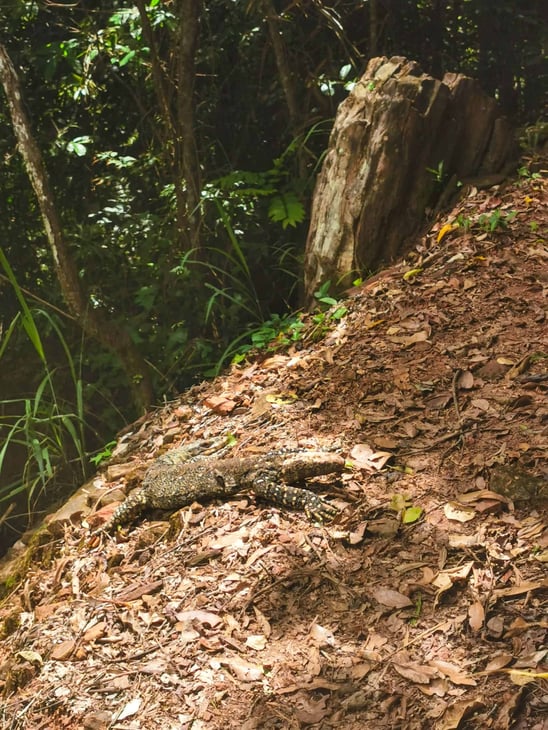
(186, 146)
(397, 140)
(175, 97)
(91, 320)
(286, 76)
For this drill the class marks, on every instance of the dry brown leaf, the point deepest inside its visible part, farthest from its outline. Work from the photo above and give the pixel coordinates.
(470, 497)
(418, 673)
(384, 527)
(481, 403)
(445, 579)
(129, 709)
(134, 592)
(476, 616)
(63, 651)
(93, 633)
(256, 641)
(356, 536)
(363, 456)
(452, 672)
(244, 671)
(454, 714)
(498, 662)
(263, 622)
(220, 404)
(310, 711)
(322, 636)
(458, 512)
(230, 539)
(524, 587)
(465, 381)
(275, 362)
(392, 599)
(198, 616)
(437, 402)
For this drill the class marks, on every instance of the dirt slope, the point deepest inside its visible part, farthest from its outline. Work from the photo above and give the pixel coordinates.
(424, 605)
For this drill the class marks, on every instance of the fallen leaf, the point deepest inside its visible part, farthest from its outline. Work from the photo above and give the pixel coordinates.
(419, 673)
(458, 512)
(476, 616)
(63, 651)
(412, 514)
(201, 617)
(31, 656)
(363, 456)
(322, 636)
(499, 662)
(220, 404)
(456, 712)
(282, 399)
(129, 709)
(392, 599)
(465, 381)
(244, 671)
(256, 641)
(521, 678)
(230, 539)
(524, 587)
(454, 673)
(444, 230)
(481, 403)
(411, 274)
(134, 592)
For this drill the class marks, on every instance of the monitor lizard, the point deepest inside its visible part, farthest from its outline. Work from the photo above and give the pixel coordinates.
(180, 477)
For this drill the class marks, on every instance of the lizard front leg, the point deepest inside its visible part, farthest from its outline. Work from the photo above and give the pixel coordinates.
(316, 509)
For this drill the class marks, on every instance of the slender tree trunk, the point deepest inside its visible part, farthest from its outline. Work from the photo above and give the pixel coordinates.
(285, 73)
(91, 320)
(178, 120)
(186, 146)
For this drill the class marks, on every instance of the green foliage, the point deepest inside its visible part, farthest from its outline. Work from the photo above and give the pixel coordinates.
(286, 209)
(490, 222)
(437, 172)
(274, 334)
(49, 429)
(104, 454)
(487, 222)
(279, 332)
(403, 505)
(526, 174)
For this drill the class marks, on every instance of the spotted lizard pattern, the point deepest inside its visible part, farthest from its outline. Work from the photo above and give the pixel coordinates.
(178, 479)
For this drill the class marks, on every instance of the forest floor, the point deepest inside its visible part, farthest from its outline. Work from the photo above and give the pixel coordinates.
(422, 605)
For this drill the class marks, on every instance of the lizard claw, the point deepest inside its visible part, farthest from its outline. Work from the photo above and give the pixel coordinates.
(318, 510)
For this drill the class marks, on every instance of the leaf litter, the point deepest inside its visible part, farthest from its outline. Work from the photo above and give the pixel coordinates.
(423, 605)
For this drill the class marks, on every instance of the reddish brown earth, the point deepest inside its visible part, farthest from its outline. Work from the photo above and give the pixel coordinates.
(424, 605)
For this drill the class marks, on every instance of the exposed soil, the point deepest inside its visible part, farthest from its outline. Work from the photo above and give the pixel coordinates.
(423, 605)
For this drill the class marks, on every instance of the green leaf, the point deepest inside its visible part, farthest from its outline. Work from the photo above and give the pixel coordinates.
(28, 321)
(286, 209)
(127, 58)
(345, 70)
(412, 514)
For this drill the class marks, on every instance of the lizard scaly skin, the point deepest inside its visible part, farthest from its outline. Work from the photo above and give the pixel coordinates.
(173, 481)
